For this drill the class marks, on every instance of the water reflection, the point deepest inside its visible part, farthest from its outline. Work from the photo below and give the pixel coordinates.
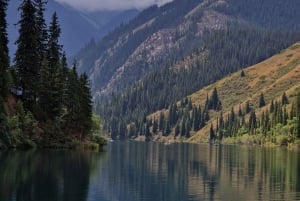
(152, 171)
(135, 171)
(46, 175)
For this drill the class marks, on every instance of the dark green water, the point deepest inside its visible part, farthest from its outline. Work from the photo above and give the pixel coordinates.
(136, 171)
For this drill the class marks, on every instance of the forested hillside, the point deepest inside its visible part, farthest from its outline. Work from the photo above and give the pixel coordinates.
(256, 105)
(161, 36)
(222, 53)
(169, 52)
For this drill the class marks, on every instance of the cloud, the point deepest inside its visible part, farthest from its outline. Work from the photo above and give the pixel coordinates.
(93, 5)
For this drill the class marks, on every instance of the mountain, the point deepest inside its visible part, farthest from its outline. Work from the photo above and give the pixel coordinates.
(273, 77)
(278, 75)
(78, 28)
(161, 36)
(222, 53)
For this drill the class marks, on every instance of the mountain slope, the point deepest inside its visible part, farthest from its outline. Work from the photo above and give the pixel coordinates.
(78, 28)
(194, 119)
(160, 36)
(221, 53)
(272, 77)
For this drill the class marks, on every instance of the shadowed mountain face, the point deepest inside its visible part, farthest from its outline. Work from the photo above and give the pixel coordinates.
(78, 28)
(161, 36)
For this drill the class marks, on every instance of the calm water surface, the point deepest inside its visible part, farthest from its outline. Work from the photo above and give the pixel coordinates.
(136, 171)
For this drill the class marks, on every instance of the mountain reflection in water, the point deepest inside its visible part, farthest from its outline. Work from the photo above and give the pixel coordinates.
(136, 171)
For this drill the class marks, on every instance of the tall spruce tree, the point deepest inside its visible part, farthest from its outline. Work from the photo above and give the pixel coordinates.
(56, 71)
(298, 114)
(284, 99)
(41, 27)
(4, 57)
(27, 58)
(54, 48)
(214, 102)
(262, 100)
(86, 105)
(72, 102)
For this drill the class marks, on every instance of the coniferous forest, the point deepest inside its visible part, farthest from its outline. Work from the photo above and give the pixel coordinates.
(221, 53)
(42, 102)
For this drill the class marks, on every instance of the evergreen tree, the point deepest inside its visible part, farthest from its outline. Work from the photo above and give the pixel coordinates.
(262, 100)
(167, 129)
(155, 126)
(214, 102)
(4, 56)
(272, 106)
(240, 113)
(56, 71)
(298, 115)
(86, 105)
(183, 128)
(196, 117)
(248, 108)
(72, 102)
(161, 121)
(284, 99)
(252, 122)
(54, 48)
(4, 129)
(211, 134)
(41, 27)
(177, 130)
(27, 58)
(242, 73)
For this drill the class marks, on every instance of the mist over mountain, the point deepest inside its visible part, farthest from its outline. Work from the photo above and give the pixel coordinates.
(78, 27)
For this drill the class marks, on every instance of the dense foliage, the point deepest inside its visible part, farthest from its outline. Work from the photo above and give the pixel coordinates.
(221, 53)
(53, 103)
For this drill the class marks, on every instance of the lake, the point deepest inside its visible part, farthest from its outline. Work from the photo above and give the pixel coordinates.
(138, 171)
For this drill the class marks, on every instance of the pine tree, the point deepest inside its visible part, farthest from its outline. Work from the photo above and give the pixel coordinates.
(183, 128)
(284, 99)
(211, 134)
(214, 102)
(72, 102)
(27, 58)
(4, 55)
(53, 46)
(262, 100)
(161, 121)
(4, 129)
(177, 130)
(167, 129)
(41, 27)
(252, 122)
(155, 126)
(56, 70)
(86, 105)
(298, 115)
(272, 106)
(242, 73)
(248, 108)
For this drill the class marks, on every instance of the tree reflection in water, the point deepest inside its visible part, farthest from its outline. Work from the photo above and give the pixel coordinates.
(46, 175)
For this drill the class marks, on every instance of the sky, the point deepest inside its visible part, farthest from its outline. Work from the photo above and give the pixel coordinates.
(94, 5)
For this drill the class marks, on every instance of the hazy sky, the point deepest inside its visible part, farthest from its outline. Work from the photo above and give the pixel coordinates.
(92, 5)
